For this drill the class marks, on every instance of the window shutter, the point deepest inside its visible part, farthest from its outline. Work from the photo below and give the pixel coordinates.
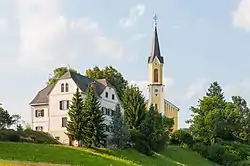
(42, 113)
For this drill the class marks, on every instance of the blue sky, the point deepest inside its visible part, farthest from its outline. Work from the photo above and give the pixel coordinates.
(201, 41)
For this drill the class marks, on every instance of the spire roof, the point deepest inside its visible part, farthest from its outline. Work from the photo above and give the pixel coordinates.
(155, 45)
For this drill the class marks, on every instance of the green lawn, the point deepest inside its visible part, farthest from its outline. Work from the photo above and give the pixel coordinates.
(57, 154)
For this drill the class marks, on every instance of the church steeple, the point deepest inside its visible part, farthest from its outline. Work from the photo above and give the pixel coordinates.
(155, 45)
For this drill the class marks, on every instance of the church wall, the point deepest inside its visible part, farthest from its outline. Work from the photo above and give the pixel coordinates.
(172, 112)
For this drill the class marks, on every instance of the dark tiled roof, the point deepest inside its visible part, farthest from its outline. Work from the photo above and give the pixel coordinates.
(42, 96)
(82, 82)
(155, 49)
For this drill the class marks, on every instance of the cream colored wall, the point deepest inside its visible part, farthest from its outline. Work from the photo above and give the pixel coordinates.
(40, 121)
(172, 112)
(156, 65)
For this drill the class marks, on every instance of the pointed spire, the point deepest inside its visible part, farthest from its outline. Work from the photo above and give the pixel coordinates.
(155, 45)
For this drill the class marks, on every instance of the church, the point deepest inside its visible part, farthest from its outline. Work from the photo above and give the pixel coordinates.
(156, 86)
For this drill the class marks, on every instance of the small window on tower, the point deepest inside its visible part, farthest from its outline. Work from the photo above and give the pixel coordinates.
(155, 64)
(156, 90)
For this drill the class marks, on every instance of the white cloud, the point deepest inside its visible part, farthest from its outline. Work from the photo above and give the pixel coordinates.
(134, 14)
(196, 89)
(49, 37)
(238, 89)
(241, 16)
(136, 37)
(3, 25)
(143, 85)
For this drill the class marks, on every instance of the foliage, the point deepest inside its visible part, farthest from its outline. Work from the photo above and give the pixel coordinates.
(27, 136)
(6, 119)
(57, 73)
(134, 114)
(134, 107)
(215, 120)
(76, 122)
(120, 133)
(93, 128)
(180, 137)
(155, 129)
(113, 76)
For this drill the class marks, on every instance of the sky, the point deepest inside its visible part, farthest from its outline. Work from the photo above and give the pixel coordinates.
(201, 41)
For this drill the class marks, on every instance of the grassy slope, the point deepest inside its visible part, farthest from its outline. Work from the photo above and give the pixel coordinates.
(67, 155)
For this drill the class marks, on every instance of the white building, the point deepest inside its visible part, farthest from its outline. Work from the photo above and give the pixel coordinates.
(50, 106)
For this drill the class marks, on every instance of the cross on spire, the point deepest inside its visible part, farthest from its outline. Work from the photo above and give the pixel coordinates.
(155, 20)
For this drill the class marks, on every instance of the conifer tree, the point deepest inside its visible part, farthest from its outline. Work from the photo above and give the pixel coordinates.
(76, 122)
(120, 132)
(93, 130)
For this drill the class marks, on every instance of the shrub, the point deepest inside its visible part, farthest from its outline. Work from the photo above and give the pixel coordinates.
(27, 136)
(225, 155)
(9, 135)
(181, 136)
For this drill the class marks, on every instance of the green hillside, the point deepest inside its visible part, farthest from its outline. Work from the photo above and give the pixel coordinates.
(172, 156)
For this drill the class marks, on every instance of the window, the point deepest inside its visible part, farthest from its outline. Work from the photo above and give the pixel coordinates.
(156, 90)
(57, 138)
(108, 128)
(39, 113)
(113, 97)
(112, 112)
(156, 107)
(64, 121)
(39, 128)
(155, 75)
(62, 87)
(64, 104)
(66, 87)
(106, 95)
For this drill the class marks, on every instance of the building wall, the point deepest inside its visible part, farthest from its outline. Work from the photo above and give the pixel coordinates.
(52, 121)
(172, 112)
(156, 65)
(40, 121)
(56, 115)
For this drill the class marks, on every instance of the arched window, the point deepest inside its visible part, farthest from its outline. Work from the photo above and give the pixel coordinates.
(62, 87)
(66, 87)
(155, 75)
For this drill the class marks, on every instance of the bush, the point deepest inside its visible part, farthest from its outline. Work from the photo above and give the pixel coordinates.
(27, 136)
(225, 155)
(9, 135)
(180, 137)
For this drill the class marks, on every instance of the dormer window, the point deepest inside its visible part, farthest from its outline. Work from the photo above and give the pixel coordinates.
(66, 87)
(62, 87)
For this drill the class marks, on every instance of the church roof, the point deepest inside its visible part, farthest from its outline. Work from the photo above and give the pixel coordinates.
(82, 82)
(155, 48)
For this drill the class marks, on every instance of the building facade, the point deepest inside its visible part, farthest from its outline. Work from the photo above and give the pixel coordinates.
(156, 86)
(50, 106)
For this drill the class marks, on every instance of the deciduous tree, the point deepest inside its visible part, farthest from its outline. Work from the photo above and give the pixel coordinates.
(113, 76)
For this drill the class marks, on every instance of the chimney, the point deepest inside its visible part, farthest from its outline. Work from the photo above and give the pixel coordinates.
(93, 84)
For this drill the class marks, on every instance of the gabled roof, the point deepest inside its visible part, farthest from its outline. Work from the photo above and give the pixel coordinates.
(42, 95)
(156, 52)
(82, 82)
(165, 100)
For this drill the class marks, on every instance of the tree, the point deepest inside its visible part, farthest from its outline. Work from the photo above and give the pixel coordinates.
(209, 121)
(16, 120)
(134, 107)
(120, 132)
(93, 130)
(5, 119)
(77, 121)
(114, 77)
(155, 129)
(57, 73)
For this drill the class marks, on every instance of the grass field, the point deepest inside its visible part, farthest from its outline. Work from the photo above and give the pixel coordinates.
(26, 154)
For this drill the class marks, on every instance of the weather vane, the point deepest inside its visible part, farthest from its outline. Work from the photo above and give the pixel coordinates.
(155, 19)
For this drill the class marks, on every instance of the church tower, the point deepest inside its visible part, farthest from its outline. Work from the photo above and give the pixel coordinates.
(155, 64)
